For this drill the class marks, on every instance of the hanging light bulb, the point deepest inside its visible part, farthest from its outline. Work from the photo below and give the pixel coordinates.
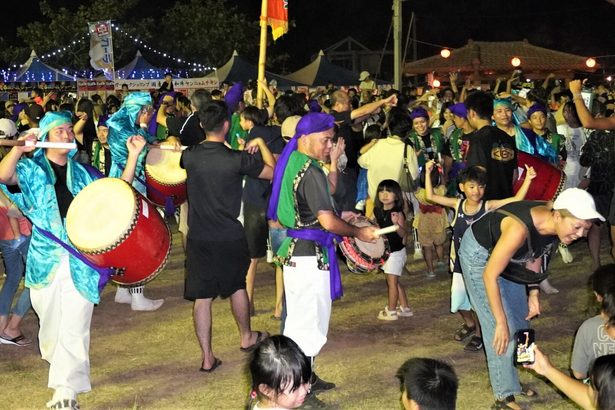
(590, 62)
(436, 83)
(515, 61)
(445, 53)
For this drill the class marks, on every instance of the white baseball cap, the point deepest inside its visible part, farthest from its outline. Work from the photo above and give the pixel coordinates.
(579, 203)
(7, 128)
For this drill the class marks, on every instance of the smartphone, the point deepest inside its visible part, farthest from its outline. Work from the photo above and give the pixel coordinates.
(524, 346)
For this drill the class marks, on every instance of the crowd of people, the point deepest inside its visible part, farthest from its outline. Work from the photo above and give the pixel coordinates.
(448, 169)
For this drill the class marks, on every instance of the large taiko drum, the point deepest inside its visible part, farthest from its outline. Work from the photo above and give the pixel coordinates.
(113, 225)
(549, 181)
(365, 256)
(164, 177)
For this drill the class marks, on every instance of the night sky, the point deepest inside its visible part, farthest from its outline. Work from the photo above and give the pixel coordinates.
(580, 27)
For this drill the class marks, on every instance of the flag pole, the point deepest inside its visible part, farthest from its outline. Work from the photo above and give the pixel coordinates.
(262, 55)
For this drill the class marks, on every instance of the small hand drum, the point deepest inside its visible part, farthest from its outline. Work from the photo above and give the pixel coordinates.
(365, 256)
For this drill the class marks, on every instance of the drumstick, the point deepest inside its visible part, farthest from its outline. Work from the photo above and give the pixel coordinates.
(388, 229)
(38, 144)
(165, 147)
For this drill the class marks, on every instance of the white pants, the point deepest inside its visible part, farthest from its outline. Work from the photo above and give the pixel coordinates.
(308, 304)
(64, 335)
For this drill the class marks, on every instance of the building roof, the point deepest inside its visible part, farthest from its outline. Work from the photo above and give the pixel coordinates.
(488, 57)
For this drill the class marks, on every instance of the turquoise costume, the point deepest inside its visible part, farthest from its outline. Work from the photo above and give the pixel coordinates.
(122, 125)
(37, 201)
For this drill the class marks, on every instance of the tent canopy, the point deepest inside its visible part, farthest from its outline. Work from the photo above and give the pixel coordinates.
(321, 71)
(34, 70)
(141, 69)
(237, 69)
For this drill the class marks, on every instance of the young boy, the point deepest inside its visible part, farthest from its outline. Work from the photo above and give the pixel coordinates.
(427, 384)
(472, 183)
(596, 336)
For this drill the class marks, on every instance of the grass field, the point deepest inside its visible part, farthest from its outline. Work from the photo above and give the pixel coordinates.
(150, 360)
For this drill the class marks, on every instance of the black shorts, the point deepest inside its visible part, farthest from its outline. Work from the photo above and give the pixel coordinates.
(215, 268)
(256, 228)
(603, 203)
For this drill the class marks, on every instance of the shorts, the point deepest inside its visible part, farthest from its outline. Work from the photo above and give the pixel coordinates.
(256, 228)
(215, 268)
(431, 238)
(459, 295)
(396, 263)
(183, 218)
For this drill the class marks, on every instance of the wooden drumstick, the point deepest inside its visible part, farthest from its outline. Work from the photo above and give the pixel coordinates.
(38, 144)
(165, 147)
(388, 229)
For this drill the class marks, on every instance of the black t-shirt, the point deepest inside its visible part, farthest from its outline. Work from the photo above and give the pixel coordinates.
(496, 151)
(215, 173)
(62, 193)
(344, 130)
(312, 197)
(191, 132)
(174, 125)
(487, 230)
(383, 217)
(257, 190)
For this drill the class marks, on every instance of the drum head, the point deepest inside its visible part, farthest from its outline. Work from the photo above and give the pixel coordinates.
(101, 214)
(164, 167)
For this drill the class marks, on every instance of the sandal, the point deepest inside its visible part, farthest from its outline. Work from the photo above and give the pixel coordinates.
(528, 392)
(464, 332)
(474, 345)
(504, 403)
(260, 336)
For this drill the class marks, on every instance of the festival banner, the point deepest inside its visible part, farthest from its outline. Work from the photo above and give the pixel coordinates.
(101, 47)
(277, 17)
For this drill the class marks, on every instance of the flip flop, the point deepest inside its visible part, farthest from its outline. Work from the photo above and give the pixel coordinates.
(259, 338)
(16, 341)
(217, 362)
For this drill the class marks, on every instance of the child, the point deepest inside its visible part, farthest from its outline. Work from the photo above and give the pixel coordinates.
(472, 184)
(389, 210)
(430, 223)
(599, 394)
(596, 336)
(280, 374)
(427, 384)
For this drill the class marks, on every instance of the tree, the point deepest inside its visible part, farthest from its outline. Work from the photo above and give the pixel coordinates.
(208, 31)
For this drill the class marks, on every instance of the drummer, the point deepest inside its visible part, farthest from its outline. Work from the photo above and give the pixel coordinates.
(301, 202)
(63, 289)
(131, 119)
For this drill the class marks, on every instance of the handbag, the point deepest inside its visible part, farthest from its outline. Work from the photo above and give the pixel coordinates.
(516, 272)
(406, 182)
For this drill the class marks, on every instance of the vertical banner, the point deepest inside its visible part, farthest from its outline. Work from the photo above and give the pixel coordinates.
(277, 17)
(101, 48)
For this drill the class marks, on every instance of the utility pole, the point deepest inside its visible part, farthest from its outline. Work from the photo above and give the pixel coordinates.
(397, 63)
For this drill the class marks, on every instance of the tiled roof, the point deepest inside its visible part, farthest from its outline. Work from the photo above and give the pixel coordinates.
(495, 56)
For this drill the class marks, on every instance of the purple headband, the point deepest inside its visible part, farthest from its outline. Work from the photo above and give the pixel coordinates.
(102, 120)
(459, 110)
(309, 124)
(536, 108)
(233, 96)
(314, 106)
(418, 113)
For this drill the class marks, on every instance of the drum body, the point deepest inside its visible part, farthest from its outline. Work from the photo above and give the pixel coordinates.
(365, 256)
(549, 181)
(165, 177)
(115, 226)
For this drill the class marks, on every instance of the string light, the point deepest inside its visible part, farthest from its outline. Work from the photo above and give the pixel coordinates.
(195, 66)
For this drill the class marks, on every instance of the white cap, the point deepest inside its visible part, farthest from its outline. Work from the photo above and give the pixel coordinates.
(579, 203)
(363, 76)
(289, 126)
(8, 128)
